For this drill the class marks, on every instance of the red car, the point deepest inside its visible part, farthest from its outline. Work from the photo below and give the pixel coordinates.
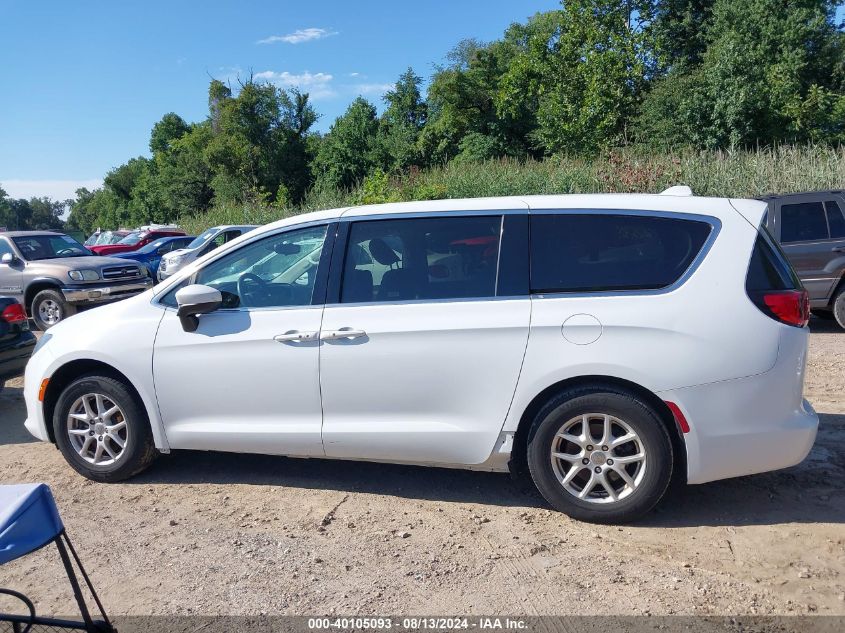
(135, 240)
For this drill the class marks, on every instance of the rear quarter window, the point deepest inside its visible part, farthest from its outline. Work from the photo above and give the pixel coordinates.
(606, 251)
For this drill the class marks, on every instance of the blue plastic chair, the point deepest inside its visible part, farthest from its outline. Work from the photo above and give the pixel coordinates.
(29, 520)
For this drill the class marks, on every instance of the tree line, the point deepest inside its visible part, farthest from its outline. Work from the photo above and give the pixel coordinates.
(578, 81)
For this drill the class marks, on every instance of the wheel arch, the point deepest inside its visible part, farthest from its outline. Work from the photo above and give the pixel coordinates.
(518, 462)
(72, 370)
(36, 286)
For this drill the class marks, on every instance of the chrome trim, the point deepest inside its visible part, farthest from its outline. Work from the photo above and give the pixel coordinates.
(433, 214)
(107, 293)
(359, 304)
(716, 227)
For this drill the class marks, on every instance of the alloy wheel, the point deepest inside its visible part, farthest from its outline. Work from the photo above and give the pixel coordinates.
(50, 312)
(96, 427)
(598, 458)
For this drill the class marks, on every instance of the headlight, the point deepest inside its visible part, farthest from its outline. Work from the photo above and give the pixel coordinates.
(84, 275)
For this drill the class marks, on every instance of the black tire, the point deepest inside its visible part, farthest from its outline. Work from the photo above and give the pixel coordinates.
(838, 305)
(640, 417)
(825, 315)
(139, 450)
(56, 301)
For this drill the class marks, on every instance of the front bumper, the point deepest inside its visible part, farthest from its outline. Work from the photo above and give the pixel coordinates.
(102, 294)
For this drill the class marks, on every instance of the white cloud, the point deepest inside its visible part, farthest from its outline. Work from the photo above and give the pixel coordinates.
(373, 89)
(317, 85)
(299, 36)
(55, 189)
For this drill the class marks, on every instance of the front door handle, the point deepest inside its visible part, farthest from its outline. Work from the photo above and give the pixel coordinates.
(838, 249)
(342, 334)
(295, 336)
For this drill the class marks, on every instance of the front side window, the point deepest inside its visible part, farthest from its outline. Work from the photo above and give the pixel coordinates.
(600, 252)
(36, 247)
(803, 222)
(835, 219)
(421, 259)
(276, 271)
(5, 248)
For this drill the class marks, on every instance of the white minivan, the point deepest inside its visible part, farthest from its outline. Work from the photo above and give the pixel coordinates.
(603, 341)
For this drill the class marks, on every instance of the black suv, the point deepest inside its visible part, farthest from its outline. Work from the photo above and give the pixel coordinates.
(811, 229)
(16, 341)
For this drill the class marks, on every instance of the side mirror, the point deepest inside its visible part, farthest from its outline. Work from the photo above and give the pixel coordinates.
(194, 300)
(7, 259)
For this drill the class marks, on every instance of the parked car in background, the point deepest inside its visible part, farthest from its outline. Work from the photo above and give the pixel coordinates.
(53, 275)
(203, 244)
(604, 340)
(138, 239)
(101, 238)
(151, 254)
(811, 229)
(16, 341)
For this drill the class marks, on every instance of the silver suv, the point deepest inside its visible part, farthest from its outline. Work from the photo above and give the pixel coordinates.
(811, 229)
(203, 244)
(53, 275)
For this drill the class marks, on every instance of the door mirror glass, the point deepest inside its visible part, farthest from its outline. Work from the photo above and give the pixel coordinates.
(195, 300)
(7, 258)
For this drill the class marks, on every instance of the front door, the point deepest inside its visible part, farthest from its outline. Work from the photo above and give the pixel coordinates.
(420, 354)
(247, 379)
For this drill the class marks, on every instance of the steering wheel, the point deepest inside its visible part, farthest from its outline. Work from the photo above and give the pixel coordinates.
(250, 286)
(66, 251)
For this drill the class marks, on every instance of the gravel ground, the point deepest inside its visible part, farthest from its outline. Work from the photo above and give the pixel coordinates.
(207, 533)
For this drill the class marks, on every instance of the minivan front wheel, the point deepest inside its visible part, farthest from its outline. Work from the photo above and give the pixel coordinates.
(101, 429)
(600, 456)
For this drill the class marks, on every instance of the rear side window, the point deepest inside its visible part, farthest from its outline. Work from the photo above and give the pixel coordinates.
(421, 259)
(769, 269)
(596, 252)
(835, 219)
(802, 222)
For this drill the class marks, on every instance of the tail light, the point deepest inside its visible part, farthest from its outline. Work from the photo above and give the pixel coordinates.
(13, 314)
(788, 306)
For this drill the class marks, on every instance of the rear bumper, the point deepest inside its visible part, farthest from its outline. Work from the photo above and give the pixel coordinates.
(15, 354)
(82, 295)
(749, 425)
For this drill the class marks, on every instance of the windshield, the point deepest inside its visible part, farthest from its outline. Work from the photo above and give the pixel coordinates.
(133, 238)
(36, 247)
(201, 239)
(92, 239)
(153, 246)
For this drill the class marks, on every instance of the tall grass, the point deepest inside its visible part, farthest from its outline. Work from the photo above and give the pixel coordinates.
(725, 173)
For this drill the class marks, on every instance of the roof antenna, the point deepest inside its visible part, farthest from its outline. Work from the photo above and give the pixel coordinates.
(677, 190)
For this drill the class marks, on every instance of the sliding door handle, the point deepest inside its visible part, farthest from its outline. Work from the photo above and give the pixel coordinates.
(295, 336)
(342, 334)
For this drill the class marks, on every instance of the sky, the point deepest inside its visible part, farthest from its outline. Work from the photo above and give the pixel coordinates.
(85, 81)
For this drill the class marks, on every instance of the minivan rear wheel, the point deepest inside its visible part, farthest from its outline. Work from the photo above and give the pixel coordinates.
(600, 456)
(102, 430)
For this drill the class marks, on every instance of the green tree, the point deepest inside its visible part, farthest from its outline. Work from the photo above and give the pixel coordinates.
(766, 76)
(402, 122)
(583, 69)
(348, 152)
(171, 128)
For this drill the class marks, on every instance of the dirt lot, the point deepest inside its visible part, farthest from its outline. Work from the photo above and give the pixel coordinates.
(221, 534)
